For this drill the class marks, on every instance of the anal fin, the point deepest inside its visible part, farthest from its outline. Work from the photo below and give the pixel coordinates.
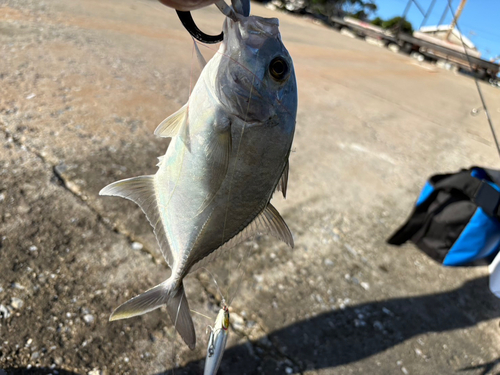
(269, 221)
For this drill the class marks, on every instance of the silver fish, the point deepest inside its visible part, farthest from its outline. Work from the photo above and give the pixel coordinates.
(217, 342)
(228, 154)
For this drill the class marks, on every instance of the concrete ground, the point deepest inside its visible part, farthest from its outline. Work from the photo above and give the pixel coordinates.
(83, 84)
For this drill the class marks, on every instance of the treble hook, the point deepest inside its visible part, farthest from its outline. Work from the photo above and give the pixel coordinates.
(239, 6)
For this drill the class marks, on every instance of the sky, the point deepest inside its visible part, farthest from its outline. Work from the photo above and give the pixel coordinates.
(480, 19)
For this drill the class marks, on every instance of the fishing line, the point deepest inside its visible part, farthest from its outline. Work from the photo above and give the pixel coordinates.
(276, 100)
(240, 278)
(483, 102)
(234, 168)
(216, 284)
(254, 78)
(199, 313)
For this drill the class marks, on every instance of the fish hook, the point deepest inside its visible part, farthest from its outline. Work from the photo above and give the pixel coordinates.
(238, 6)
(190, 26)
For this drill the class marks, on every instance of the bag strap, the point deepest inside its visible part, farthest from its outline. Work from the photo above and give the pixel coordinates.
(478, 191)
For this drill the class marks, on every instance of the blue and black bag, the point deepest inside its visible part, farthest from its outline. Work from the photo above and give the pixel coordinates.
(456, 218)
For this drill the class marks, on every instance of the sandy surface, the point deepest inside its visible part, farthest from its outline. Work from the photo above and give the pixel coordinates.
(83, 84)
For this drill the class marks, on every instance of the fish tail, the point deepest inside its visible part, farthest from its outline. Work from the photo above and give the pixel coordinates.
(179, 312)
(177, 307)
(143, 303)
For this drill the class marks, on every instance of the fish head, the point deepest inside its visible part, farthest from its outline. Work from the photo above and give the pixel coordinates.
(256, 77)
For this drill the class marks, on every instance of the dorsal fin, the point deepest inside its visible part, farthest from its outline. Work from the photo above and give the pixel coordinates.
(171, 126)
(283, 182)
(141, 190)
(269, 221)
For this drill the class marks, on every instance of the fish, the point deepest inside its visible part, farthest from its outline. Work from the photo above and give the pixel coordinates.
(217, 341)
(228, 153)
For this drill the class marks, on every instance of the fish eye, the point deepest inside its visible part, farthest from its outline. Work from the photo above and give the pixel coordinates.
(278, 68)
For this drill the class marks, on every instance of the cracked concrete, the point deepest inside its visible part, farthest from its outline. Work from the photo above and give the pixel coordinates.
(83, 84)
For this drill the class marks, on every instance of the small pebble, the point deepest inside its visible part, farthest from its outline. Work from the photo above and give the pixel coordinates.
(18, 286)
(16, 303)
(237, 321)
(289, 370)
(387, 311)
(404, 370)
(328, 262)
(88, 318)
(365, 285)
(137, 246)
(33, 248)
(258, 278)
(4, 312)
(30, 96)
(85, 310)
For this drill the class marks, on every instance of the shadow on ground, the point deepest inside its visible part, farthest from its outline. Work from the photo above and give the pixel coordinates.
(356, 332)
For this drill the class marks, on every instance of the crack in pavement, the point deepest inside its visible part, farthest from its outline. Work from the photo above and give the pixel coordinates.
(68, 186)
(268, 348)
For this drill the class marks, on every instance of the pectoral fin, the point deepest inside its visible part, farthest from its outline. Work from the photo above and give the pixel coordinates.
(171, 126)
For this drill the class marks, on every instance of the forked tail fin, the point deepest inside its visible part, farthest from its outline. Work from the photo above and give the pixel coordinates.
(177, 307)
(143, 303)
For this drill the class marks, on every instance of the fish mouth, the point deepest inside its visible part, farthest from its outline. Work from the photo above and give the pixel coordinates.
(249, 31)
